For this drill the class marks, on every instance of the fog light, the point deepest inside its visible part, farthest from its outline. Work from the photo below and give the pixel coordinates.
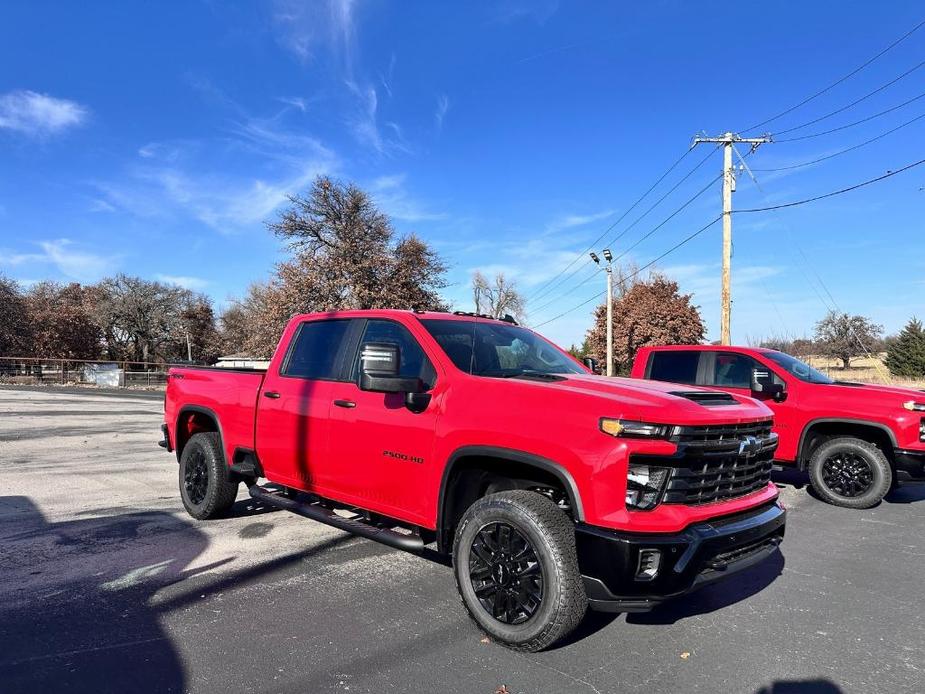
(922, 429)
(649, 562)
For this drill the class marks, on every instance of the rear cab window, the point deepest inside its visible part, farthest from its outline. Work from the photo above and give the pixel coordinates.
(675, 366)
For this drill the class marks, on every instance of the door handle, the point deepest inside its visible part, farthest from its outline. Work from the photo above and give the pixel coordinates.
(271, 394)
(345, 403)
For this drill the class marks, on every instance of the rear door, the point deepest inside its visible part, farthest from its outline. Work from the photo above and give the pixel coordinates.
(382, 451)
(294, 405)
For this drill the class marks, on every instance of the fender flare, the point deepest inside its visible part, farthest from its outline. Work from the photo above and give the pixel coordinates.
(198, 409)
(515, 456)
(840, 420)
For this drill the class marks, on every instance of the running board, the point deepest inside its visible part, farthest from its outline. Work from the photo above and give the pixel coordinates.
(409, 543)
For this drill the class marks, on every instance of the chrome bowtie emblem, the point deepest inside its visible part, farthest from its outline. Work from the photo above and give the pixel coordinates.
(749, 446)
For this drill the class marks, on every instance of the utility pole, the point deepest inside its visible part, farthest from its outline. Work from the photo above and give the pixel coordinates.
(729, 186)
(189, 348)
(608, 256)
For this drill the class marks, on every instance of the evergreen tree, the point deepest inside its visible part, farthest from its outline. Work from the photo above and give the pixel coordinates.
(907, 353)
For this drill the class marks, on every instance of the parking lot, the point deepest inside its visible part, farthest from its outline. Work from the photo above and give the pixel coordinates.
(107, 585)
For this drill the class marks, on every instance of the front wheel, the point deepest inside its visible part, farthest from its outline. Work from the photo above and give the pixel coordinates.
(517, 570)
(850, 472)
(206, 486)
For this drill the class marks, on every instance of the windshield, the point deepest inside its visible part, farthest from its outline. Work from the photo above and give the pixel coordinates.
(498, 349)
(798, 368)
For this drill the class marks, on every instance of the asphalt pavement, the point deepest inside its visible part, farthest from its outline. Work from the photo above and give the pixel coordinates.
(106, 585)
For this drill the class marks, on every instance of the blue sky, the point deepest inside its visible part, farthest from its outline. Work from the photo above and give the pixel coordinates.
(156, 138)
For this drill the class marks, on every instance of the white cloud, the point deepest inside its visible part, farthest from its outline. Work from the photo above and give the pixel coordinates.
(70, 262)
(39, 115)
(571, 221)
(306, 26)
(187, 282)
(391, 196)
(443, 105)
(100, 205)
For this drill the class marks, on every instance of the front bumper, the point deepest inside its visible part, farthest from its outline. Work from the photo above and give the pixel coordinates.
(910, 463)
(702, 553)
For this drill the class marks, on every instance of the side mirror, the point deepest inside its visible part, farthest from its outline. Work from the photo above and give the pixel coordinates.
(591, 363)
(763, 384)
(379, 366)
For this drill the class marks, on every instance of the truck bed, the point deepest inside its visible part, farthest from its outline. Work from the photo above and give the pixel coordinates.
(231, 391)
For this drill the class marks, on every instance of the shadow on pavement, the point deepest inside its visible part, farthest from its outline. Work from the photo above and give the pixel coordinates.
(906, 493)
(74, 612)
(819, 686)
(716, 596)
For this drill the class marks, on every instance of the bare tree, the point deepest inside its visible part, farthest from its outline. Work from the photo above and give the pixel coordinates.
(652, 312)
(843, 337)
(345, 255)
(62, 322)
(15, 327)
(497, 297)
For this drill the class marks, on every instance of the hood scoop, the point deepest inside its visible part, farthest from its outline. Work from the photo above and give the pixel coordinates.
(706, 398)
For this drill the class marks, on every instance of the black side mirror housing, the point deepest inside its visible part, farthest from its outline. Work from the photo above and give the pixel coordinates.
(591, 363)
(763, 384)
(379, 366)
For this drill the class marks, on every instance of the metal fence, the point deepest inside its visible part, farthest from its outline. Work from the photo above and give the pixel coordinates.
(112, 374)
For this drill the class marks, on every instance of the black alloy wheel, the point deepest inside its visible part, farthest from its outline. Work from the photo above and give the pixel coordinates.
(847, 474)
(506, 574)
(196, 478)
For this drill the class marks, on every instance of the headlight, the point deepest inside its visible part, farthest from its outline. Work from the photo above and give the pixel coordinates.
(914, 406)
(626, 428)
(644, 485)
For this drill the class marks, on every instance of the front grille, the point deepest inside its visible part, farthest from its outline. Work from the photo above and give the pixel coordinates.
(720, 462)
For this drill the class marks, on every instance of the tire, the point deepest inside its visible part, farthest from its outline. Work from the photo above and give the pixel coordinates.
(850, 472)
(206, 486)
(530, 602)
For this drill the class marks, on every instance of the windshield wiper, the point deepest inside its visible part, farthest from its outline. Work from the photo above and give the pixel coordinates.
(540, 375)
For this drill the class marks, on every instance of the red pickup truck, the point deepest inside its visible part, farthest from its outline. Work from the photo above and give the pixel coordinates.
(552, 489)
(855, 440)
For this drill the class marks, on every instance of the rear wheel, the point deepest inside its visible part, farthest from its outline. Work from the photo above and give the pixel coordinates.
(206, 486)
(850, 472)
(517, 570)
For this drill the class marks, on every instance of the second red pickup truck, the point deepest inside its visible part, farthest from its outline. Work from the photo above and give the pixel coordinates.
(855, 440)
(552, 489)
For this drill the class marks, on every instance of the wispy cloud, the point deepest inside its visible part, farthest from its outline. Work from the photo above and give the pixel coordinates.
(185, 281)
(570, 221)
(173, 178)
(67, 258)
(508, 11)
(39, 115)
(307, 26)
(443, 105)
(392, 197)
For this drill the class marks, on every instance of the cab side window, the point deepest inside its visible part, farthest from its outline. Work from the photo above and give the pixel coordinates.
(674, 366)
(731, 370)
(414, 363)
(316, 350)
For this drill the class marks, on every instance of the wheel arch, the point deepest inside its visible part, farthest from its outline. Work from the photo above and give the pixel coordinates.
(193, 419)
(817, 430)
(509, 460)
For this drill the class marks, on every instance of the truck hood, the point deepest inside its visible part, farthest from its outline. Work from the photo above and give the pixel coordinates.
(654, 401)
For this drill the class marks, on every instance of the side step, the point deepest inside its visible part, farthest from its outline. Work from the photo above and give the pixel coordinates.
(409, 543)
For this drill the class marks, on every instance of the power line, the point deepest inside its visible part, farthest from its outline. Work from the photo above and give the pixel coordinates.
(853, 103)
(620, 219)
(636, 273)
(838, 81)
(647, 235)
(835, 192)
(851, 125)
(542, 294)
(844, 151)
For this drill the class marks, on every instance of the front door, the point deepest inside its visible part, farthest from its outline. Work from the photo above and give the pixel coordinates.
(382, 451)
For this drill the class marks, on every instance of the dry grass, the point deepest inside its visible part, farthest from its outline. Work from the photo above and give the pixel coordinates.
(863, 370)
